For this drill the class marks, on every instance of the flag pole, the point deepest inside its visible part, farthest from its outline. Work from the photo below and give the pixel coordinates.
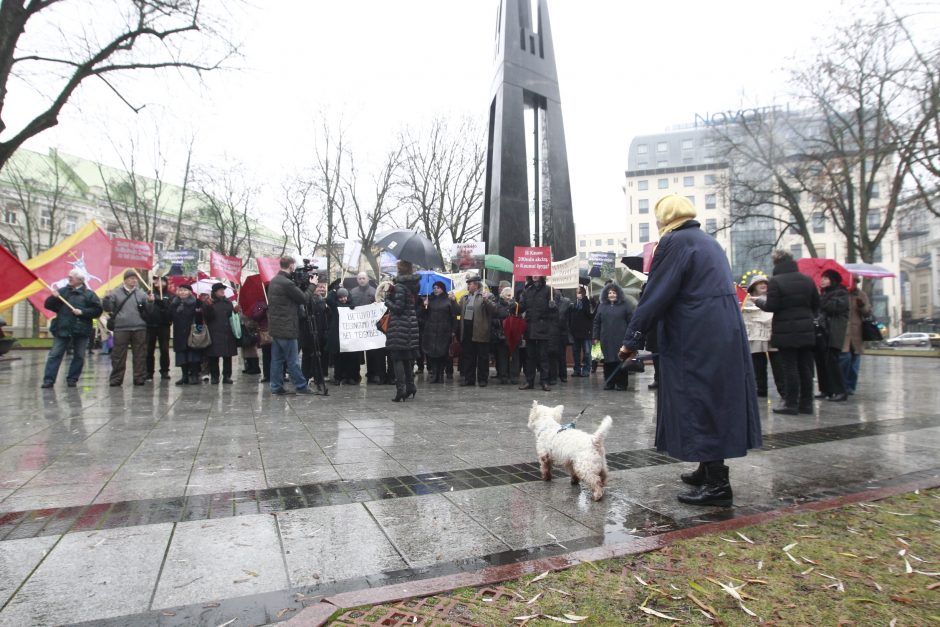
(142, 280)
(56, 292)
(264, 291)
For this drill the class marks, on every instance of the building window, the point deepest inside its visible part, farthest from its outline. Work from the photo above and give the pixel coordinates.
(643, 205)
(686, 144)
(610, 242)
(662, 163)
(597, 242)
(711, 226)
(819, 222)
(9, 215)
(45, 219)
(642, 162)
(662, 183)
(874, 219)
(662, 146)
(797, 251)
(71, 224)
(642, 149)
(642, 186)
(710, 179)
(876, 257)
(158, 245)
(582, 243)
(582, 255)
(691, 199)
(644, 232)
(710, 201)
(688, 181)
(873, 191)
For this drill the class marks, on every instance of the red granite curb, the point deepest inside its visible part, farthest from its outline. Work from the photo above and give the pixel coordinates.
(319, 614)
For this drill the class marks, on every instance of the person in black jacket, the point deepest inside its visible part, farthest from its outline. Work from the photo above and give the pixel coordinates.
(284, 301)
(834, 308)
(218, 312)
(345, 365)
(794, 301)
(581, 325)
(610, 324)
(185, 311)
(403, 340)
(72, 327)
(440, 324)
(542, 327)
(558, 349)
(158, 329)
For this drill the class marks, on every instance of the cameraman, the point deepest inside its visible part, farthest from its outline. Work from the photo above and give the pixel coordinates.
(284, 302)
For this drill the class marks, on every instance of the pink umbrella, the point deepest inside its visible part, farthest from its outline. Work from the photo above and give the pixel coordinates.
(869, 270)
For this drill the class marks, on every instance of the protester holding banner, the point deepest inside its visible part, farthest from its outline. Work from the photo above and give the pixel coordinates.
(476, 310)
(129, 308)
(440, 325)
(158, 329)
(345, 365)
(185, 311)
(218, 312)
(581, 325)
(541, 329)
(376, 359)
(72, 327)
(284, 301)
(402, 339)
(610, 324)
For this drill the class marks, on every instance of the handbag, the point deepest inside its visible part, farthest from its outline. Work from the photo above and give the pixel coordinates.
(198, 337)
(870, 331)
(264, 338)
(236, 323)
(454, 350)
(382, 324)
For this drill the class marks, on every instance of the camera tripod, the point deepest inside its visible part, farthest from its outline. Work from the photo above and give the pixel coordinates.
(319, 375)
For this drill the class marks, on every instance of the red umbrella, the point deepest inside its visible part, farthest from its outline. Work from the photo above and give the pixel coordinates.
(251, 293)
(514, 326)
(815, 266)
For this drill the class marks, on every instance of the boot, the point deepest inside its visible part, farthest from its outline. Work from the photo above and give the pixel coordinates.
(184, 380)
(715, 491)
(195, 374)
(696, 477)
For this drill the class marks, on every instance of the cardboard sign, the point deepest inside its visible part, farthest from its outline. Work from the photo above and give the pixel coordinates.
(357, 330)
(225, 267)
(564, 273)
(532, 261)
(602, 265)
(130, 253)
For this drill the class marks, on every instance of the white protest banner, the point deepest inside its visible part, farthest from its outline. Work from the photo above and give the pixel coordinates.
(357, 330)
(459, 281)
(351, 253)
(564, 273)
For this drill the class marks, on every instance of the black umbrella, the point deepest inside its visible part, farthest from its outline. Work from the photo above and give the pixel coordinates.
(634, 262)
(411, 246)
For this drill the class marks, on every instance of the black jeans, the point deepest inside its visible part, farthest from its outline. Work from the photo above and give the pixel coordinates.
(226, 367)
(797, 367)
(161, 336)
(475, 366)
(760, 371)
(404, 376)
(828, 372)
(558, 360)
(537, 360)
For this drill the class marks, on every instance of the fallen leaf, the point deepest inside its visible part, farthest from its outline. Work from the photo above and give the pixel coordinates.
(760, 564)
(792, 559)
(893, 622)
(168, 613)
(534, 599)
(708, 609)
(900, 599)
(560, 620)
(529, 617)
(250, 572)
(907, 566)
(732, 541)
(539, 577)
(744, 537)
(228, 622)
(808, 560)
(865, 600)
(789, 547)
(642, 583)
(920, 572)
(575, 617)
(699, 588)
(808, 570)
(848, 555)
(933, 586)
(567, 594)
(760, 581)
(207, 605)
(653, 612)
(283, 611)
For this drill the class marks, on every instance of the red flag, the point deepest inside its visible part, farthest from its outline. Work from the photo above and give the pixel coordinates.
(741, 292)
(88, 249)
(268, 267)
(225, 267)
(15, 275)
(129, 253)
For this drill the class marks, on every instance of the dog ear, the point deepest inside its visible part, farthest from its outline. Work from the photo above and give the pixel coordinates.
(559, 411)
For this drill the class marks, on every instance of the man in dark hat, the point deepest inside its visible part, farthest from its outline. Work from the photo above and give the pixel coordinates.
(128, 306)
(476, 310)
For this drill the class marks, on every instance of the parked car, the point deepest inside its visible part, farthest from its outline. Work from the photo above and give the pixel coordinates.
(909, 339)
(934, 339)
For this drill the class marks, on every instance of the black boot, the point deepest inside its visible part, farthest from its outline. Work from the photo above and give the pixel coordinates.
(195, 374)
(185, 378)
(715, 491)
(696, 477)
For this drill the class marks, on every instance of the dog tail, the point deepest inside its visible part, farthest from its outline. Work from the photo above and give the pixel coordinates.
(602, 430)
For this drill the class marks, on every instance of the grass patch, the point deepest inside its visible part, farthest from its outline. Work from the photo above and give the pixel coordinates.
(33, 342)
(865, 564)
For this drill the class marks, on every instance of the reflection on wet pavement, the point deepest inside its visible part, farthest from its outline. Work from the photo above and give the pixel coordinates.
(198, 505)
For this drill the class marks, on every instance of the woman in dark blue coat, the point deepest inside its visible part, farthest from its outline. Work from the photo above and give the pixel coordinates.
(707, 398)
(610, 324)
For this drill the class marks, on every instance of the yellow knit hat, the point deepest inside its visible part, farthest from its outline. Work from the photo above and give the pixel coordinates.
(673, 211)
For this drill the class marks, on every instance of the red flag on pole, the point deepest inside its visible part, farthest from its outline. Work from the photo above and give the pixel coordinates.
(225, 267)
(15, 275)
(268, 267)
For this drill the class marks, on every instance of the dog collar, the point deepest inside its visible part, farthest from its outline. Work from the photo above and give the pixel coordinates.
(566, 426)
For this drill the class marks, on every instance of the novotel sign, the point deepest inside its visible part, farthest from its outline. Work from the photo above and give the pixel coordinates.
(719, 118)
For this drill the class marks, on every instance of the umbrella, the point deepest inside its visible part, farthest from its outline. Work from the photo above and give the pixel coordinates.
(498, 263)
(514, 326)
(815, 266)
(411, 246)
(251, 293)
(634, 262)
(429, 278)
(869, 270)
(204, 286)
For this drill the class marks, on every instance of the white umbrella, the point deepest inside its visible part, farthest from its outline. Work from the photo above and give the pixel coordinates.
(204, 286)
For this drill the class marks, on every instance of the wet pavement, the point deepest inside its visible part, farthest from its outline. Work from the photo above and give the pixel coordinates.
(196, 505)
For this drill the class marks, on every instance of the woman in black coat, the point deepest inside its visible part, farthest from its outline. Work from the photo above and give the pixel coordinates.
(217, 312)
(184, 312)
(581, 325)
(345, 365)
(403, 339)
(610, 325)
(706, 406)
(439, 314)
(794, 301)
(834, 308)
(541, 314)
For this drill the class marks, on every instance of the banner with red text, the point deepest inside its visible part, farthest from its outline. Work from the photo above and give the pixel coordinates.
(130, 253)
(225, 267)
(532, 261)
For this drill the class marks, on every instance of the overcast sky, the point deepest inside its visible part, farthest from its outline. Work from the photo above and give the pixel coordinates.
(625, 68)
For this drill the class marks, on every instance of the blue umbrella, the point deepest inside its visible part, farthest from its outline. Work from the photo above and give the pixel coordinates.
(429, 278)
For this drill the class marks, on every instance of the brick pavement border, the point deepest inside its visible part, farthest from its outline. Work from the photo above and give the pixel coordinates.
(319, 613)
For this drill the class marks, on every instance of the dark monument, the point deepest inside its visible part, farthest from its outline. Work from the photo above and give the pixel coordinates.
(528, 194)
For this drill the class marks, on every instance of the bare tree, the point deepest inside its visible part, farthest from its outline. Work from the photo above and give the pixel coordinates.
(184, 194)
(330, 153)
(371, 211)
(38, 208)
(299, 215)
(146, 35)
(227, 208)
(133, 199)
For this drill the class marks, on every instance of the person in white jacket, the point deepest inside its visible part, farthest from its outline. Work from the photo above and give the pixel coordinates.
(757, 322)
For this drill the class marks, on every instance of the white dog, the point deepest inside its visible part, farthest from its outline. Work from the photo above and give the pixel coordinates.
(581, 454)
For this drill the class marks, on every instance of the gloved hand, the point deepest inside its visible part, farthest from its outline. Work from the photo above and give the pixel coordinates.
(335, 284)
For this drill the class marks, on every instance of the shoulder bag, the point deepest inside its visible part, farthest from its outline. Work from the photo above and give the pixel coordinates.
(198, 337)
(235, 321)
(870, 331)
(112, 318)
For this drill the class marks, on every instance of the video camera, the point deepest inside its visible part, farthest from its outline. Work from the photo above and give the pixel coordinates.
(302, 275)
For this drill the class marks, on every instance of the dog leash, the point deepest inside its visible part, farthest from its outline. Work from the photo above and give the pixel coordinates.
(572, 424)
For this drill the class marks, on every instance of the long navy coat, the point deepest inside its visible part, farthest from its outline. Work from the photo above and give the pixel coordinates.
(707, 402)
(611, 321)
